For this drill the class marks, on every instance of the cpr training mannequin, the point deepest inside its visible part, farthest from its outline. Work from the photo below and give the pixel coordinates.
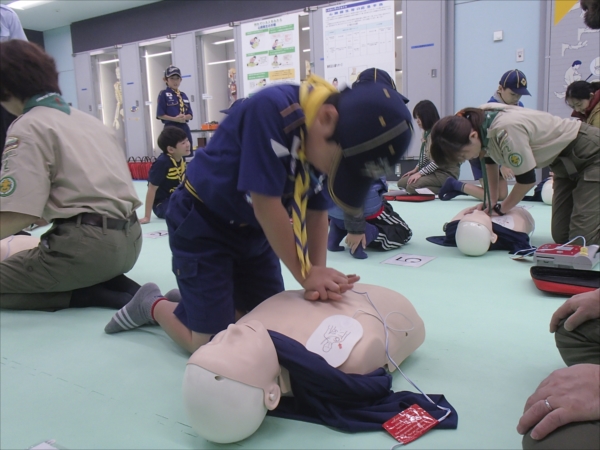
(474, 232)
(15, 244)
(236, 377)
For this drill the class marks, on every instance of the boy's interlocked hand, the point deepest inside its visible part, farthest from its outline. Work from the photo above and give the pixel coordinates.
(325, 283)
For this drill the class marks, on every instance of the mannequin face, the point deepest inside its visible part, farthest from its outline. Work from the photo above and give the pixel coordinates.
(474, 234)
(237, 381)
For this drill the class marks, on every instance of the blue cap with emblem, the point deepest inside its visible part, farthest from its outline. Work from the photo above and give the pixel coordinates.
(377, 76)
(374, 130)
(515, 80)
(172, 70)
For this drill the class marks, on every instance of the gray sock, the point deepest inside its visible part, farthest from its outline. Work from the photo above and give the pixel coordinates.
(173, 296)
(137, 312)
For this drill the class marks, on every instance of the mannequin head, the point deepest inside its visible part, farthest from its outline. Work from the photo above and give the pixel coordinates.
(231, 382)
(474, 234)
(548, 192)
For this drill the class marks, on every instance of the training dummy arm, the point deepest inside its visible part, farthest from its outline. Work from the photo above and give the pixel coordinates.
(12, 222)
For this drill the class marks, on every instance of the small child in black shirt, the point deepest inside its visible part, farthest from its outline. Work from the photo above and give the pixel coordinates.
(167, 171)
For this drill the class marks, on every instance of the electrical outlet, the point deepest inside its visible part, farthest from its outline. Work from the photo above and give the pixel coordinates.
(520, 55)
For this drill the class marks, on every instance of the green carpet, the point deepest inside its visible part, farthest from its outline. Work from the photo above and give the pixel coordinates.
(487, 348)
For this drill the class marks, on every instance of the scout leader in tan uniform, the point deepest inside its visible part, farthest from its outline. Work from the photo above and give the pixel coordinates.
(68, 168)
(525, 139)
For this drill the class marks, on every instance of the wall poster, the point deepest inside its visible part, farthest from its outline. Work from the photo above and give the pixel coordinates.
(270, 52)
(357, 36)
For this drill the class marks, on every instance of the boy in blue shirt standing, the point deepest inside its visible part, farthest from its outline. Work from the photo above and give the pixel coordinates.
(174, 108)
(229, 221)
(167, 171)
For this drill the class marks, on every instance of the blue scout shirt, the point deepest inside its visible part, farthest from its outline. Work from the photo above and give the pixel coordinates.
(253, 150)
(166, 176)
(493, 99)
(168, 105)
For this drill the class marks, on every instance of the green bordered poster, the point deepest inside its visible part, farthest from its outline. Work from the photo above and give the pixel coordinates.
(270, 52)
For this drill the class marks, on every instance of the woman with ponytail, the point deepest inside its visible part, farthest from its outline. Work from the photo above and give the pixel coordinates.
(584, 98)
(523, 140)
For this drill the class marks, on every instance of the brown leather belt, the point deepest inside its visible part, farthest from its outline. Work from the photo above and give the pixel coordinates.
(97, 220)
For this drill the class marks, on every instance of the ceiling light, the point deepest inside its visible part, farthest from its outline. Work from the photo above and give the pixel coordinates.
(221, 62)
(398, 13)
(226, 41)
(305, 28)
(109, 61)
(398, 37)
(154, 41)
(157, 54)
(306, 50)
(26, 4)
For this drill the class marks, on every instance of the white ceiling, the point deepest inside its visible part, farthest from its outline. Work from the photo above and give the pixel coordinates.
(55, 14)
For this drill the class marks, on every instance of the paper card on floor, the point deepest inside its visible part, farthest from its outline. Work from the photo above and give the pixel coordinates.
(424, 191)
(404, 259)
(156, 234)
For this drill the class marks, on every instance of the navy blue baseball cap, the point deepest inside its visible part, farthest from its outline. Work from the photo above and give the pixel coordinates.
(172, 70)
(515, 80)
(374, 130)
(374, 75)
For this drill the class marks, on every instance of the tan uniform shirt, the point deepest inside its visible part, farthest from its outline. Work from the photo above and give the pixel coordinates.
(524, 139)
(57, 165)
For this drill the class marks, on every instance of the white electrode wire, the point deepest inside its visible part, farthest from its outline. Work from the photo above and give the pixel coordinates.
(574, 239)
(387, 341)
(528, 252)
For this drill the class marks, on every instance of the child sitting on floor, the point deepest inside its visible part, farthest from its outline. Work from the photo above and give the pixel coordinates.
(167, 171)
(378, 227)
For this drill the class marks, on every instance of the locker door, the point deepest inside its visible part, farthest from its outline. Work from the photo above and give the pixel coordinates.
(84, 83)
(185, 57)
(137, 141)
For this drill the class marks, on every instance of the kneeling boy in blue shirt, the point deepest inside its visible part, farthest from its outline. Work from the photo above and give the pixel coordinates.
(167, 171)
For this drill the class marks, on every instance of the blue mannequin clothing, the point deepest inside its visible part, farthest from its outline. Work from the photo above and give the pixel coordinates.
(348, 402)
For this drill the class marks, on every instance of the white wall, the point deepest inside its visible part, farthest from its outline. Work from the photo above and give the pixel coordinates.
(57, 43)
(480, 62)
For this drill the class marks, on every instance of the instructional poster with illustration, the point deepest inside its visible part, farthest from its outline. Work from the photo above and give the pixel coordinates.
(358, 36)
(270, 50)
(574, 53)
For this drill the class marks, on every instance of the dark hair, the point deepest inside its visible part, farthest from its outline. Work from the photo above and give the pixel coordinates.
(450, 134)
(592, 13)
(581, 90)
(427, 112)
(170, 137)
(576, 63)
(26, 70)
